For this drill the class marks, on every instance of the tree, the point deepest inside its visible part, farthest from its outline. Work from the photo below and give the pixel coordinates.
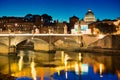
(106, 28)
(98, 20)
(29, 17)
(46, 19)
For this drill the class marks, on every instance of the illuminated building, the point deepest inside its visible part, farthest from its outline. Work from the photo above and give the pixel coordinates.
(89, 17)
(117, 23)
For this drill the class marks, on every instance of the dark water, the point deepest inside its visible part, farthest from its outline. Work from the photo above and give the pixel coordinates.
(61, 65)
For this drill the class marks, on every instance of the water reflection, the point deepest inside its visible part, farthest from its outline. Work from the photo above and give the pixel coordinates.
(65, 62)
(61, 65)
(80, 57)
(33, 71)
(101, 70)
(62, 56)
(77, 71)
(20, 62)
(32, 65)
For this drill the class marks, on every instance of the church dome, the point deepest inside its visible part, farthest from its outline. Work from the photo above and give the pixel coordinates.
(89, 17)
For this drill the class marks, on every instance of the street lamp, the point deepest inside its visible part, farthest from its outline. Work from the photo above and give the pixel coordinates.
(15, 25)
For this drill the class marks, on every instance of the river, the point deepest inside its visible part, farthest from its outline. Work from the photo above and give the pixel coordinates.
(61, 65)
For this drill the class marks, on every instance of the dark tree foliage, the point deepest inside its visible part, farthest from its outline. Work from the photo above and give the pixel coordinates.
(29, 17)
(106, 28)
(46, 19)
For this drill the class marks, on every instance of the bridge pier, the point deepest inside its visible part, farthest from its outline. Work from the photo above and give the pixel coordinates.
(12, 49)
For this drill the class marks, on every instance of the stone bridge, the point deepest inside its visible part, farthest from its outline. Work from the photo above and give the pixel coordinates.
(46, 41)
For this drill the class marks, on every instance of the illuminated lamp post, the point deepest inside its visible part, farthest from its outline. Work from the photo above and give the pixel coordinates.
(15, 27)
(41, 24)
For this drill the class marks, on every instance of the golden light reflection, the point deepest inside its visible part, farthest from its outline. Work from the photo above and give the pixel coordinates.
(77, 65)
(80, 57)
(65, 60)
(62, 56)
(118, 73)
(77, 68)
(32, 65)
(33, 71)
(14, 68)
(66, 67)
(101, 67)
(95, 68)
(20, 63)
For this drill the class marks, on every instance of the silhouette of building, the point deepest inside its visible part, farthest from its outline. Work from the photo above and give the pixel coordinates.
(72, 21)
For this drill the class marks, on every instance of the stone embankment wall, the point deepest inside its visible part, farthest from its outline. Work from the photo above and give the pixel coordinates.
(76, 43)
(116, 41)
(109, 41)
(88, 39)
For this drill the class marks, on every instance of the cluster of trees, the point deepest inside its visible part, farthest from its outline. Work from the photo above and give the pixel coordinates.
(106, 28)
(45, 18)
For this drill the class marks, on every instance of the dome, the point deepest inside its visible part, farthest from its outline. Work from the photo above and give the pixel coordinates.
(89, 14)
(89, 17)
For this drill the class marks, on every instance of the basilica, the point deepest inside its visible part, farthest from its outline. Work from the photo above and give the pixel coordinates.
(89, 17)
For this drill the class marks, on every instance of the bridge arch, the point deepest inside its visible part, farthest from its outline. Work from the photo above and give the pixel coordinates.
(67, 43)
(36, 44)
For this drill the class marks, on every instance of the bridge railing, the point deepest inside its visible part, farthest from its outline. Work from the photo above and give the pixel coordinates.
(40, 34)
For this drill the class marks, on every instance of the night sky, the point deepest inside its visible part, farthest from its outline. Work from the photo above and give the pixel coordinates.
(61, 9)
